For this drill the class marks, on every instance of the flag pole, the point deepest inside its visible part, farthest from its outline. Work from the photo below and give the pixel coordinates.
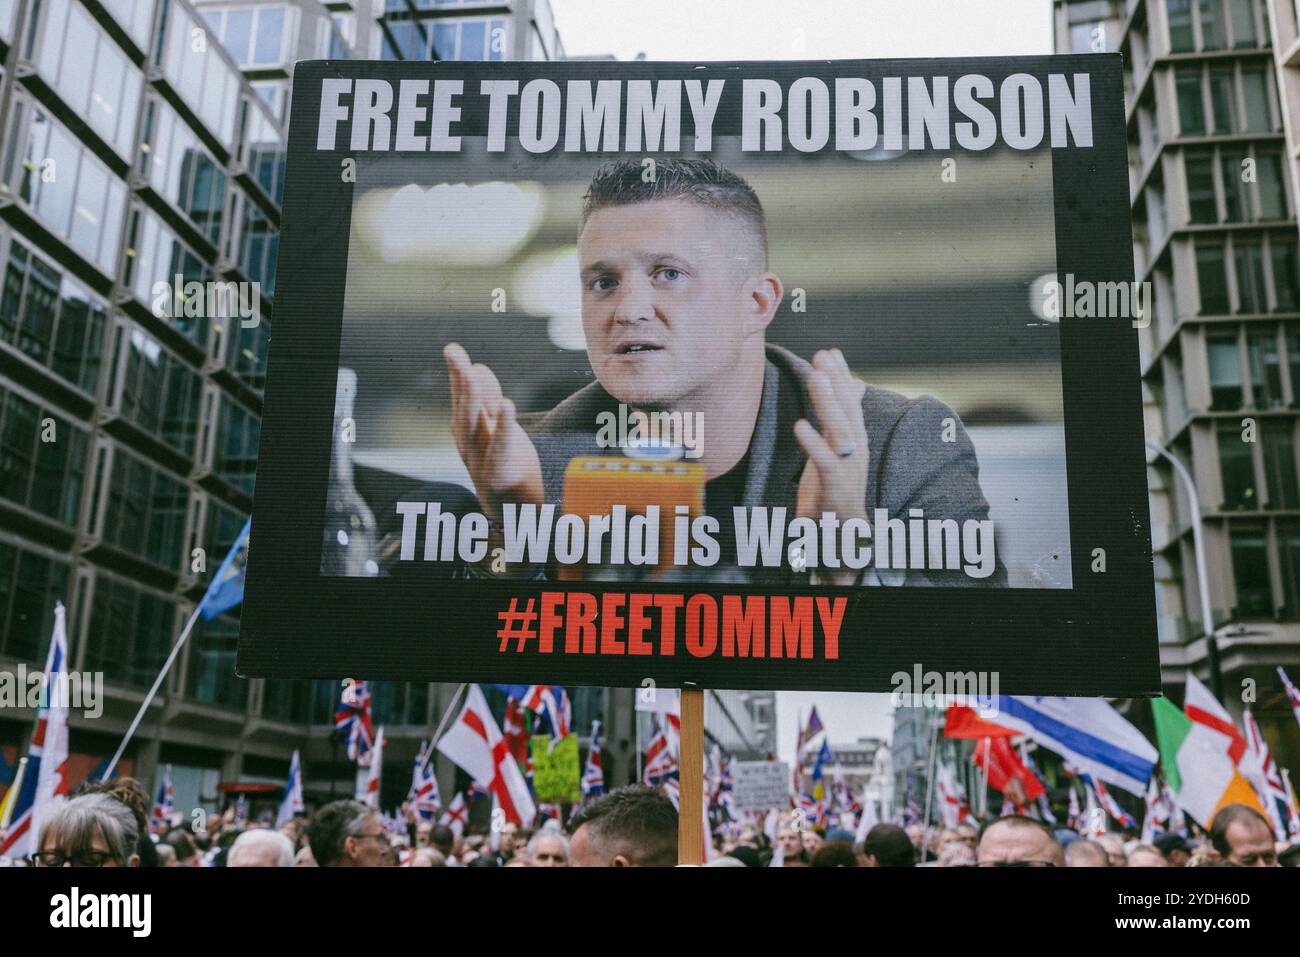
(157, 683)
(636, 726)
(437, 732)
(988, 761)
(929, 789)
(690, 831)
(11, 796)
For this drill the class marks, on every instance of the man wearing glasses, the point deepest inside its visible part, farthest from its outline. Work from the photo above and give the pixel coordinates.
(1016, 841)
(348, 834)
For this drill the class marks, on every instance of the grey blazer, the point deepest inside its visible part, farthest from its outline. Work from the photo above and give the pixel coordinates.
(910, 465)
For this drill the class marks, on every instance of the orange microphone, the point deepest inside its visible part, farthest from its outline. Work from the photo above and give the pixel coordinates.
(594, 484)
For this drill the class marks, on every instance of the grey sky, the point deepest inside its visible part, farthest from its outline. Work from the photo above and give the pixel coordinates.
(803, 29)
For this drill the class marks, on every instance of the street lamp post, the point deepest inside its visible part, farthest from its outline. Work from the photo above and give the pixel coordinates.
(1203, 579)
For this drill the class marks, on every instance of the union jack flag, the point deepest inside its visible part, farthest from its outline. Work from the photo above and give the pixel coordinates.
(353, 721)
(844, 799)
(660, 759)
(814, 810)
(1292, 692)
(423, 796)
(1266, 777)
(165, 803)
(1121, 817)
(552, 701)
(724, 790)
(593, 776)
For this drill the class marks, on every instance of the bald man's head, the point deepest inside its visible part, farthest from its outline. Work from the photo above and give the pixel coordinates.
(1020, 841)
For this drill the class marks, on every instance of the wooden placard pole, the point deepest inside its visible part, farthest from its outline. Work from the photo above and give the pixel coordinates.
(690, 819)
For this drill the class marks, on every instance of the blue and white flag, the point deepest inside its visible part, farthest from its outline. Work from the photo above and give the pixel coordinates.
(293, 802)
(1088, 733)
(227, 587)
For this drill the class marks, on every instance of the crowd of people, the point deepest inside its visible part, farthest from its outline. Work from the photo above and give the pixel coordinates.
(107, 825)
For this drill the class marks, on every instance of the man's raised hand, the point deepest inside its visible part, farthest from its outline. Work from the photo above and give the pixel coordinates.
(501, 459)
(835, 478)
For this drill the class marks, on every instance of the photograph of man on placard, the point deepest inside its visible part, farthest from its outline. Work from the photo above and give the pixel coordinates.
(676, 301)
(806, 347)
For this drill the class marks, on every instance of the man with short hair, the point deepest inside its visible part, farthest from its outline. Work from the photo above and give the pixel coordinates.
(443, 840)
(1243, 837)
(789, 841)
(423, 831)
(1085, 853)
(888, 845)
(676, 302)
(632, 826)
(547, 848)
(1144, 855)
(1175, 849)
(1016, 841)
(260, 847)
(1113, 845)
(347, 834)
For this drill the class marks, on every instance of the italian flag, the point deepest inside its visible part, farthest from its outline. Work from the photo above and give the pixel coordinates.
(1199, 751)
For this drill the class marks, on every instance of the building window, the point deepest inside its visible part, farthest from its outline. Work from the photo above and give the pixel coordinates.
(1280, 468)
(235, 451)
(155, 258)
(145, 511)
(1191, 105)
(90, 72)
(254, 37)
(1237, 470)
(247, 356)
(1236, 198)
(1199, 168)
(1272, 194)
(259, 246)
(1212, 278)
(1255, 93)
(181, 170)
(221, 527)
(1250, 570)
(212, 678)
(1223, 99)
(68, 189)
(1249, 259)
(1225, 373)
(1211, 29)
(42, 463)
(1265, 369)
(159, 392)
(291, 701)
(202, 78)
(1285, 254)
(51, 318)
(1181, 39)
(1288, 542)
(134, 16)
(30, 584)
(130, 632)
(469, 40)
